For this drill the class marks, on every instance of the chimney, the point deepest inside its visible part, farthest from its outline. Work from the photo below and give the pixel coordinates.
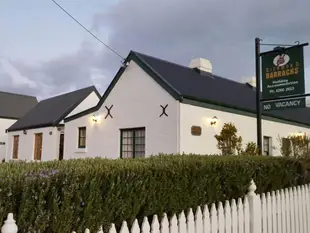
(251, 82)
(201, 65)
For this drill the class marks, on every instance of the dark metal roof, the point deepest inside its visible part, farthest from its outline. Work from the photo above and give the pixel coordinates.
(15, 106)
(214, 89)
(185, 83)
(50, 112)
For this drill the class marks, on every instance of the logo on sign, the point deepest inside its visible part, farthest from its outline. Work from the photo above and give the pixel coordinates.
(281, 60)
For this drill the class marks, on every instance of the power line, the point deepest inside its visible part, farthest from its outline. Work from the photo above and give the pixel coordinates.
(87, 30)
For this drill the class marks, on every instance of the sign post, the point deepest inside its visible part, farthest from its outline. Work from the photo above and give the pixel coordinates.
(283, 80)
(258, 92)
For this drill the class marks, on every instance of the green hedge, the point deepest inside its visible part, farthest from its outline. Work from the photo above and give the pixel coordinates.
(306, 163)
(71, 195)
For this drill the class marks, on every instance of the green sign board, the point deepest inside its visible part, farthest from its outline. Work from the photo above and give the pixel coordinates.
(283, 73)
(283, 104)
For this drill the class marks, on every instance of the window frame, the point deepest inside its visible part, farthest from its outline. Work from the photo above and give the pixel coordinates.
(269, 152)
(15, 149)
(80, 146)
(133, 144)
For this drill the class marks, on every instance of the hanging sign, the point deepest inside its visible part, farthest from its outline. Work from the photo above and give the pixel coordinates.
(283, 104)
(283, 73)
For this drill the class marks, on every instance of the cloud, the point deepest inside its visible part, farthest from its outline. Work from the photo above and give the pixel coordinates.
(178, 30)
(12, 80)
(59, 75)
(9, 72)
(220, 30)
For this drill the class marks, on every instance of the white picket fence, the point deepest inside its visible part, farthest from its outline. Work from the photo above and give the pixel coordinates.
(282, 211)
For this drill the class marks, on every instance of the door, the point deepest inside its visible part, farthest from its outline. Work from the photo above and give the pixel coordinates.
(61, 146)
(38, 146)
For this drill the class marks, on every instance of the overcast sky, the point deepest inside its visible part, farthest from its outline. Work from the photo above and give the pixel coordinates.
(43, 52)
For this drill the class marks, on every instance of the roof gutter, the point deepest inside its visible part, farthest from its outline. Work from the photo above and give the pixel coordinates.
(32, 127)
(81, 114)
(185, 97)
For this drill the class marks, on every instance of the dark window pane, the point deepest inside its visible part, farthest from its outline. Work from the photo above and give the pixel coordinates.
(133, 141)
(127, 154)
(130, 147)
(130, 141)
(82, 137)
(139, 154)
(139, 141)
(125, 141)
(266, 145)
(139, 148)
(141, 133)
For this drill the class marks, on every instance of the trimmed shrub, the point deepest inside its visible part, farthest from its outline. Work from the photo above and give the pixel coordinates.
(306, 163)
(71, 195)
(228, 141)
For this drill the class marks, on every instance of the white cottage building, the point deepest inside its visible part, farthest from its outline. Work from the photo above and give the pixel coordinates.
(39, 135)
(154, 106)
(12, 107)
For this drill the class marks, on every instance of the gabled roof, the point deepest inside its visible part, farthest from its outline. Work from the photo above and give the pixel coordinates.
(15, 106)
(187, 85)
(50, 112)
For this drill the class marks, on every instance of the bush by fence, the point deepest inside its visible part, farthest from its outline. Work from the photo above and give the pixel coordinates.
(306, 163)
(66, 195)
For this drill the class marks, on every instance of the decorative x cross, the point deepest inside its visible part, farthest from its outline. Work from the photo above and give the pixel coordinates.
(163, 110)
(109, 111)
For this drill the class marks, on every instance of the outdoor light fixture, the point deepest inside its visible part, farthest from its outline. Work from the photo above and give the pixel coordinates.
(213, 121)
(297, 134)
(95, 118)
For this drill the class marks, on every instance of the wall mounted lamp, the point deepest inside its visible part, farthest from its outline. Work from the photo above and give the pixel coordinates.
(95, 118)
(298, 134)
(213, 121)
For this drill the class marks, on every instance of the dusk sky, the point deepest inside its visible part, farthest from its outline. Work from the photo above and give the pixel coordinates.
(43, 52)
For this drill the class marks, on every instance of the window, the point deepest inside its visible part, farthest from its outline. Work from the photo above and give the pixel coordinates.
(267, 145)
(133, 143)
(15, 146)
(82, 137)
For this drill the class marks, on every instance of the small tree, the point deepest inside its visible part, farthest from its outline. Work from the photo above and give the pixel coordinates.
(228, 141)
(297, 146)
(251, 149)
(285, 146)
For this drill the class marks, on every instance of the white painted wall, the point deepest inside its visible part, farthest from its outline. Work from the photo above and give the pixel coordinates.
(4, 124)
(50, 144)
(90, 101)
(136, 100)
(207, 144)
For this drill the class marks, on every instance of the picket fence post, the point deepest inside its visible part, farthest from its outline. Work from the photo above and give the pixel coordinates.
(254, 209)
(9, 225)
